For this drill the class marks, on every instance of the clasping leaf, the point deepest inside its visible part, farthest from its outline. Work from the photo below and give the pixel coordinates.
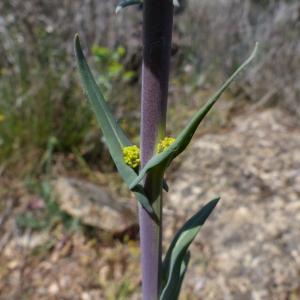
(162, 160)
(115, 137)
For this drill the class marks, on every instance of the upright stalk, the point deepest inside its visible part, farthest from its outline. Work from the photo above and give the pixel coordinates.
(157, 35)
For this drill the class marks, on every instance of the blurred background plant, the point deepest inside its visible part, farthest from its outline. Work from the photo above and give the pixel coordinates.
(39, 98)
(44, 211)
(111, 67)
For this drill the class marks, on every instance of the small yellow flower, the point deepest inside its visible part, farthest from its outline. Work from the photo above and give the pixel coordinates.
(131, 156)
(164, 144)
(2, 118)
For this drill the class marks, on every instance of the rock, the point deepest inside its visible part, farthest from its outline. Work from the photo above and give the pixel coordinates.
(93, 205)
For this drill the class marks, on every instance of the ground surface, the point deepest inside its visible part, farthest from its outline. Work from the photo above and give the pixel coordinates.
(248, 249)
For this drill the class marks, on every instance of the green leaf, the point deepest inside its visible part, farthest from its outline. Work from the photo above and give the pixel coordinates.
(114, 135)
(163, 159)
(124, 3)
(183, 269)
(173, 267)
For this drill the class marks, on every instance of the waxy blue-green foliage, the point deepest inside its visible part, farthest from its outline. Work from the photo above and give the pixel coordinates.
(177, 257)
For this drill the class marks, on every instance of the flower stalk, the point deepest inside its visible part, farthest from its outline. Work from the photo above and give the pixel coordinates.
(157, 35)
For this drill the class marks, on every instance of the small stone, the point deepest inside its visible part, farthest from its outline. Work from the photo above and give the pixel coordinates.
(85, 296)
(93, 205)
(53, 288)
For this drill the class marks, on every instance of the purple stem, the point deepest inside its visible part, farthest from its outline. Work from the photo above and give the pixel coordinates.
(157, 35)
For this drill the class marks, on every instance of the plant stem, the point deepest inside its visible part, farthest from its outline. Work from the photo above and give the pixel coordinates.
(157, 35)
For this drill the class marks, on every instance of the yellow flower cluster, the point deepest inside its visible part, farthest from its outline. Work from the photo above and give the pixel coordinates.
(164, 144)
(2, 118)
(131, 156)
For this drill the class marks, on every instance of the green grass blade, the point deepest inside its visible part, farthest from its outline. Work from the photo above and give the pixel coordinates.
(115, 137)
(172, 265)
(164, 159)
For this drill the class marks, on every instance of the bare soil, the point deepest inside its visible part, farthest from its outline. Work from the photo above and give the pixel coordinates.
(248, 249)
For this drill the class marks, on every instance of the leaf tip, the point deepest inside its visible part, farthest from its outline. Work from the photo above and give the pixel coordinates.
(118, 9)
(176, 3)
(165, 186)
(216, 201)
(256, 46)
(76, 38)
(254, 52)
(77, 43)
